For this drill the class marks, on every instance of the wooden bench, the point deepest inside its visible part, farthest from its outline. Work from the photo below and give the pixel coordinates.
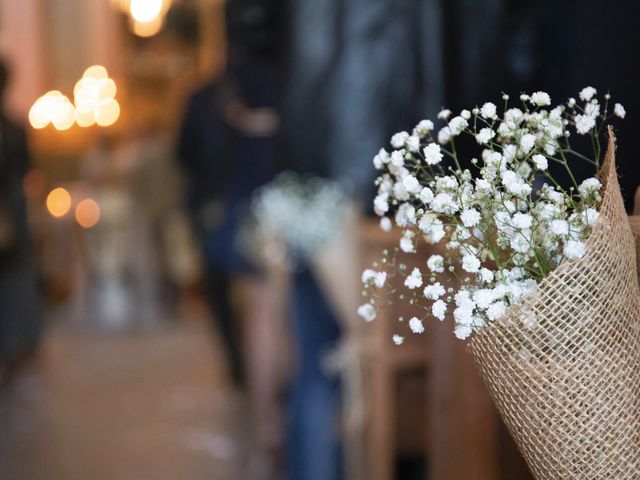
(457, 429)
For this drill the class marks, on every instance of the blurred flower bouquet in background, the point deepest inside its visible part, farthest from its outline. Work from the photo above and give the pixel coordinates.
(291, 218)
(540, 275)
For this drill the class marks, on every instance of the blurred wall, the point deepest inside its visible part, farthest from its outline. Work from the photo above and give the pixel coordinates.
(22, 40)
(49, 43)
(80, 33)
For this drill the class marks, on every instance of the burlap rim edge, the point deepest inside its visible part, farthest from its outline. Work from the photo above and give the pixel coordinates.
(607, 174)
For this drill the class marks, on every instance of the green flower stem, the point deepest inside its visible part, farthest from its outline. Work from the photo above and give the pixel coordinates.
(566, 166)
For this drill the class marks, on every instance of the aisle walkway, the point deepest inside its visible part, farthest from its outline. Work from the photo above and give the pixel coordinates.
(142, 406)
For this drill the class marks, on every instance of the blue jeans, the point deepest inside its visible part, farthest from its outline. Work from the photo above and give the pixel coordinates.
(314, 451)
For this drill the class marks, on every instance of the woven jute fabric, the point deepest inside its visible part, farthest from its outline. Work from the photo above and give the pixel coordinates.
(563, 365)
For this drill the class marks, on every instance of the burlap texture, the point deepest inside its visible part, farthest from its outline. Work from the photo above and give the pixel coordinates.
(568, 387)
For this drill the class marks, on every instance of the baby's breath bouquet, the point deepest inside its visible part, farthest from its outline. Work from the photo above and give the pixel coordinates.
(539, 273)
(291, 218)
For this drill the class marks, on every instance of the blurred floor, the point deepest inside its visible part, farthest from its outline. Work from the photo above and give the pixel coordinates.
(148, 405)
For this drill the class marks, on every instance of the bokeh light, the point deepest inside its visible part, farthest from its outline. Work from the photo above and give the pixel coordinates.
(145, 11)
(125, 6)
(94, 98)
(96, 71)
(146, 17)
(53, 107)
(58, 202)
(107, 113)
(63, 116)
(93, 102)
(37, 115)
(146, 29)
(106, 88)
(86, 95)
(87, 213)
(85, 119)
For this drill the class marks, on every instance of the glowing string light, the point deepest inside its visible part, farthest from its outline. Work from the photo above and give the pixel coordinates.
(96, 71)
(85, 119)
(93, 102)
(145, 11)
(107, 112)
(106, 88)
(146, 29)
(52, 108)
(87, 213)
(58, 202)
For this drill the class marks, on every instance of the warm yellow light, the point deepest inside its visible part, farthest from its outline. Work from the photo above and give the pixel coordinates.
(52, 107)
(49, 105)
(93, 102)
(58, 202)
(96, 71)
(87, 99)
(38, 117)
(87, 213)
(147, 29)
(56, 108)
(106, 88)
(85, 119)
(107, 112)
(94, 99)
(64, 117)
(82, 84)
(145, 11)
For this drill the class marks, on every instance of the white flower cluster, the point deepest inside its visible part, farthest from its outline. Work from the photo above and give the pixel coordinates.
(291, 217)
(503, 220)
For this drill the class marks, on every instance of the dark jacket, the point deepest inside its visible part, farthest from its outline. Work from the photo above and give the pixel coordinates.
(20, 309)
(222, 166)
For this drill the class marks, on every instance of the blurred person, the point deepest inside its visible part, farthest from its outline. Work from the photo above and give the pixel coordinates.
(20, 309)
(155, 189)
(128, 278)
(347, 90)
(111, 245)
(152, 184)
(225, 147)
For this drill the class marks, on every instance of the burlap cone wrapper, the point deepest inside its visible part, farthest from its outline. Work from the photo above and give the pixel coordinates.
(563, 365)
